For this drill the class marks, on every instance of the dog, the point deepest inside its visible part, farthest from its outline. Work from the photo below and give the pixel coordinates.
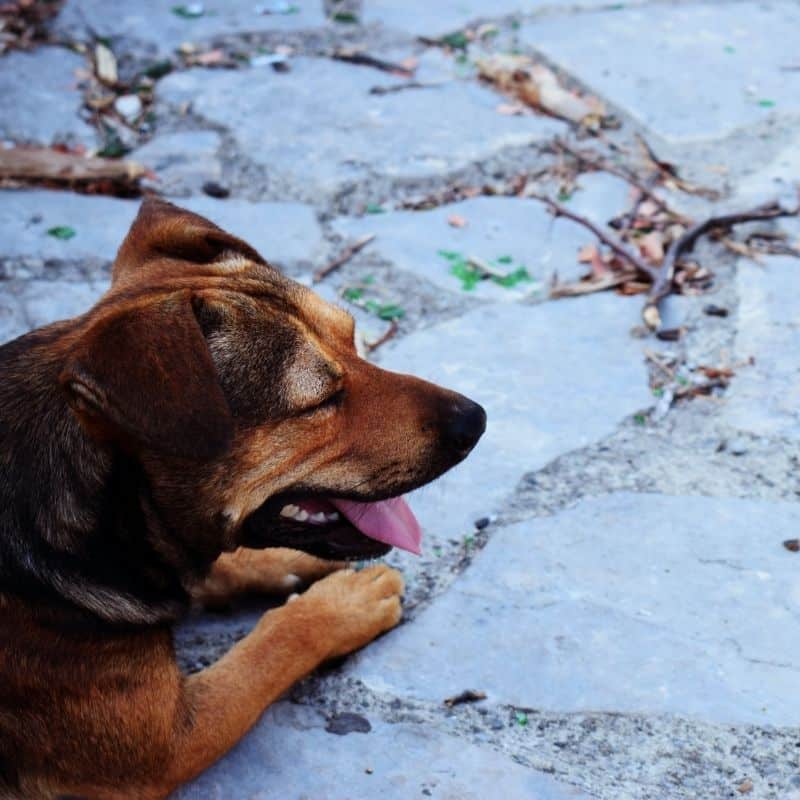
(206, 430)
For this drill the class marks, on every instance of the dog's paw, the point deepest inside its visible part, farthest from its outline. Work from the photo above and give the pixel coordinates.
(352, 608)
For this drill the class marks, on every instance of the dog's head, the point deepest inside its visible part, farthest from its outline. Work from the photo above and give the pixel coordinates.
(241, 394)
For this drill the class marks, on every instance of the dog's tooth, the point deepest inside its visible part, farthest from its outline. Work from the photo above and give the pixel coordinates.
(301, 515)
(319, 517)
(289, 511)
(333, 516)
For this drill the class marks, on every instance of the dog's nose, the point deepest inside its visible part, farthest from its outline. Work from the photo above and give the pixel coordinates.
(464, 424)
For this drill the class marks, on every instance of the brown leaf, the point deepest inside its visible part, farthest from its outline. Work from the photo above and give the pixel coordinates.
(745, 787)
(651, 246)
(457, 221)
(511, 109)
(537, 86)
(210, 58)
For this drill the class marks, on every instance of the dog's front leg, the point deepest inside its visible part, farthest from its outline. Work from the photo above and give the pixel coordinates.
(274, 571)
(341, 613)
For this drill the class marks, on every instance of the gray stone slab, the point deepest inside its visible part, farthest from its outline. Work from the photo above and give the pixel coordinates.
(182, 162)
(290, 756)
(445, 16)
(286, 233)
(553, 377)
(153, 23)
(636, 58)
(318, 129)
(496, 227)
(40, 98)
(25, 305)
(764, 398)
(625, 603)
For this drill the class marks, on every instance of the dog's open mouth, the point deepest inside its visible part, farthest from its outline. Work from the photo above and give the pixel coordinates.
(335, 528)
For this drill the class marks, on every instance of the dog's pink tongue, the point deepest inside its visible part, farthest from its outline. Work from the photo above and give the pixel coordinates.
(389, 521)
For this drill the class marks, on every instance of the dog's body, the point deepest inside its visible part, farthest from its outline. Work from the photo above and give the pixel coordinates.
(205, 407)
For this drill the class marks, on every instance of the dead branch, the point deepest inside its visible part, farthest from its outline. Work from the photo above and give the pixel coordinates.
(579, 288)
(343, 257)
(401, 87)
(606, 238)
(600, 164)
(662, 281)
(390, 333)
(35, 164)
(352, 56)
(467, 696)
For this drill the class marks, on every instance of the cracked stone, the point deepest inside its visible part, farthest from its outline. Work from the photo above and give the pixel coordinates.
(289, 754)
(287, 234)
(446, 16)
(153, 24)
(30, 304)
(496, 227)
(46, 104)
(183, 162)
(319, 148)
(553, 377)
(626, 603)
(739, 56)
(764, 398)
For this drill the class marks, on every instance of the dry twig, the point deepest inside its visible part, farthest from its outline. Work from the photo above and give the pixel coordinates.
(606, 238)
(390, 333)
(662, 282)
(343, 257)
(353, 56)
(41, 164)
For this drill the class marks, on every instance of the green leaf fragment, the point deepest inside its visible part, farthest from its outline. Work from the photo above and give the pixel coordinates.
(390, 312)
(192, 11)
(352, 294)
(729, 49)
(504, 260)
(346, 17)
(639, 419)
(765, 103)
(374, 208)
(522, 718)
(513, 278)
(63, 232)
(457, 40)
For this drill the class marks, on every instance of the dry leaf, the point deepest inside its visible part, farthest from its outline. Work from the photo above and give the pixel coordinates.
(210, 58)
(105, 64)
(587, 253)
(745, 787)
(511, 109)
(457, 221)
(651, 246)
(537, 86)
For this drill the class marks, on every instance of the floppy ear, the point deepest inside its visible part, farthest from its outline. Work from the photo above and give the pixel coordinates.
(162, 230)
(146, 376)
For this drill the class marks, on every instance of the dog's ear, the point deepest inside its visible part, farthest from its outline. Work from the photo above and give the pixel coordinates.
(162, 230)
(146, 377)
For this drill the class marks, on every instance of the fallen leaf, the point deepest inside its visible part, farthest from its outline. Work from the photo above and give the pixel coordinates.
(537, 86)
(651, 246)
(745, 787)
(511, 109)
(63, 232)
(457, 221)
(210, 58)
(105, 64)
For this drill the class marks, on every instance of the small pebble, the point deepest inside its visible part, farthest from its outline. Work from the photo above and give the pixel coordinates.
(214, 189)
(792, 545)
(128, 106)
(737, 447)
(482, 523)
(715, 311)
(347, 722)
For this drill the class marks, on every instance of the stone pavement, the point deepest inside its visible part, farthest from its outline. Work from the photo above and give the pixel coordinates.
(625, 603)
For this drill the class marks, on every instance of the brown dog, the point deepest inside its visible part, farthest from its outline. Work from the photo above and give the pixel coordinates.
(206, 403)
